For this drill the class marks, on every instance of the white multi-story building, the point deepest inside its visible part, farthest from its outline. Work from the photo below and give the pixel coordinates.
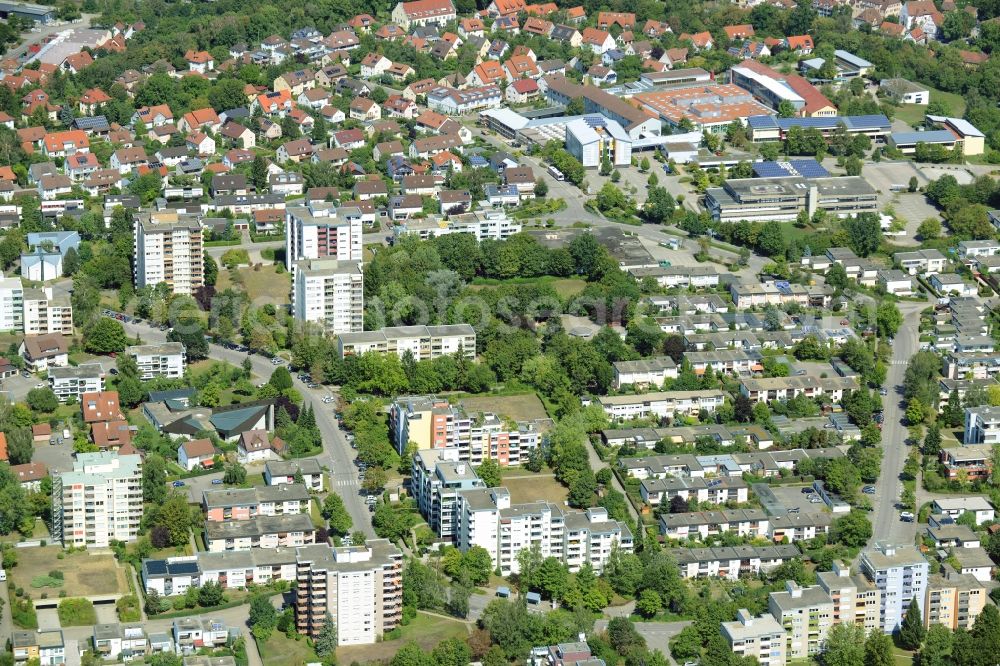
(486, 518)
(429, 422)
(483, 224)
(662, 404)
(644, 372)
(169, 249)
(900, 574)
(45, 313)
(280, 472)
(423, 342)
(100, 501)
(438, 478)
(360, 588)
(806, 614)
(982, 425)
(856, 600)
(762, 638)
(329, 292)
(11, 304)
(321, 230)
(74, 380)
(163, 360)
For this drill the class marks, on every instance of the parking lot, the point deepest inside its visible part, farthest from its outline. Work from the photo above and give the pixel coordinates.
(58, 458)
(793, 498)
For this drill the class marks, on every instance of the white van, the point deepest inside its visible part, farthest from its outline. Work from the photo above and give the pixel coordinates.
(3, 574)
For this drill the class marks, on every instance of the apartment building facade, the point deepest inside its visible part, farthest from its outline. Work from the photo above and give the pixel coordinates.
(99, 501)
(437, 480)
(163, 360)
(11, 303)
(330, 293)
(169, 249)
(430, 422)
(46, 313)
(360, 588)
(953, 599)
(762, 638)
(72, 381)
(321, 230)
(856, 600)
(900, 573)
(423, 342)
(806, 615)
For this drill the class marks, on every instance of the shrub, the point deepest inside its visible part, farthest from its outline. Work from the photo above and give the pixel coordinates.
(77, 613)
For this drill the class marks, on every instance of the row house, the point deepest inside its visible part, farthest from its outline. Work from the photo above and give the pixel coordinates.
(746, 523)
(732, 563)
(711, 491)
(663, 404)
(784, 388)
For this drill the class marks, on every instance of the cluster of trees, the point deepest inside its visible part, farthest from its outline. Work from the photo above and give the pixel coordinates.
(965, 207)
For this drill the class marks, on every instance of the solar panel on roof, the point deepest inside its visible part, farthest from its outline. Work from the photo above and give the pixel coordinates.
(184, 567)
(156, 567)
(770, 170)
(809, 168)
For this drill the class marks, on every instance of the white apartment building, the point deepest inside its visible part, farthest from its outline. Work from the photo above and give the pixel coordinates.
(713, 491)
(360, 588)
(766, 389)
(732, 562)
(73, 381)
(900, 574)
(856, 600)
(232, 570)
(321, 230)
(280, 472)
(483, 224)
(11, 304)
(956, 506)
(749, 523)
(982, 425)
(438, 478)
(169, 249)
(429, 422)
(662, 404)
(45, 313)
(762, 638)
(163, 360)
(806, 614)
(99, 501)
(644, 372)
(487, 518)
(330, 293)
(423, 342)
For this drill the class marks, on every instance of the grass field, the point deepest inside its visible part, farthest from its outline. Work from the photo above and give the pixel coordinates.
(85, 574)
(534, 488)
(265, 284)
(524, 407)
(564, 287)
(427, 630)
(280, 650)
(914, 113)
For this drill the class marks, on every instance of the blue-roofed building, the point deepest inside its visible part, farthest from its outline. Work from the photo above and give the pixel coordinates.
(772, 128)
(906, 142)
(803, 168)
(92, 125)
(969, 138)
(231, 422)
(478, 162)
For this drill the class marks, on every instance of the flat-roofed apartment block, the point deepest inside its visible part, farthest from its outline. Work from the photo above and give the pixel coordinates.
(321, 230)
(483, 224)
(11, 303)
(432, 423)
(438, 478)
(766, 389)
(900, 573)
(486, 518)
(762, 638)
(733, 562)
(644, 372)
(806, 615)
(74, 380)
(751, 523)
(360, 588)
(953, 599)
(100, 501)
(169, 249)
(982, 425)
(260, 532)
(162, 360)
(330, 293)
(927, 262)
(856, 600)
(423, 342)
(783, 198)
(46, 313)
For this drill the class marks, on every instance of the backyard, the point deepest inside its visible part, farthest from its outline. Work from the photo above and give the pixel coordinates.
(426, 629)
(279, 650)
(263, 285)
(84, 574)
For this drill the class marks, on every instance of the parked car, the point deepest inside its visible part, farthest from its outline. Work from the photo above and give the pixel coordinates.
(807, 490)
(216, 482)
(868, 490)
(178, 484)
(906, 516)
(883, 391)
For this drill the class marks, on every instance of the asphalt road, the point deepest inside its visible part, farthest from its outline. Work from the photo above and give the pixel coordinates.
(885, 516)
(337, 456)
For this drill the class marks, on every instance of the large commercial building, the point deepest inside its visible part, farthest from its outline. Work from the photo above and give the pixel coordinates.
(486, 518)
(359, 588)
(321, 230)
(163, 360)
(900, 574)
(330, 293)
(710, 108)
(772, 88)
(429, 422)
(423, 342)
(759, 199)
(636, 121)
(100, 501)
(169, 249)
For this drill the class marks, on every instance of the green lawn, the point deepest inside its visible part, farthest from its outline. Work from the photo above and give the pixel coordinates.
(264, 283)
(427, 630)
(914, 113)
(279, 650)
